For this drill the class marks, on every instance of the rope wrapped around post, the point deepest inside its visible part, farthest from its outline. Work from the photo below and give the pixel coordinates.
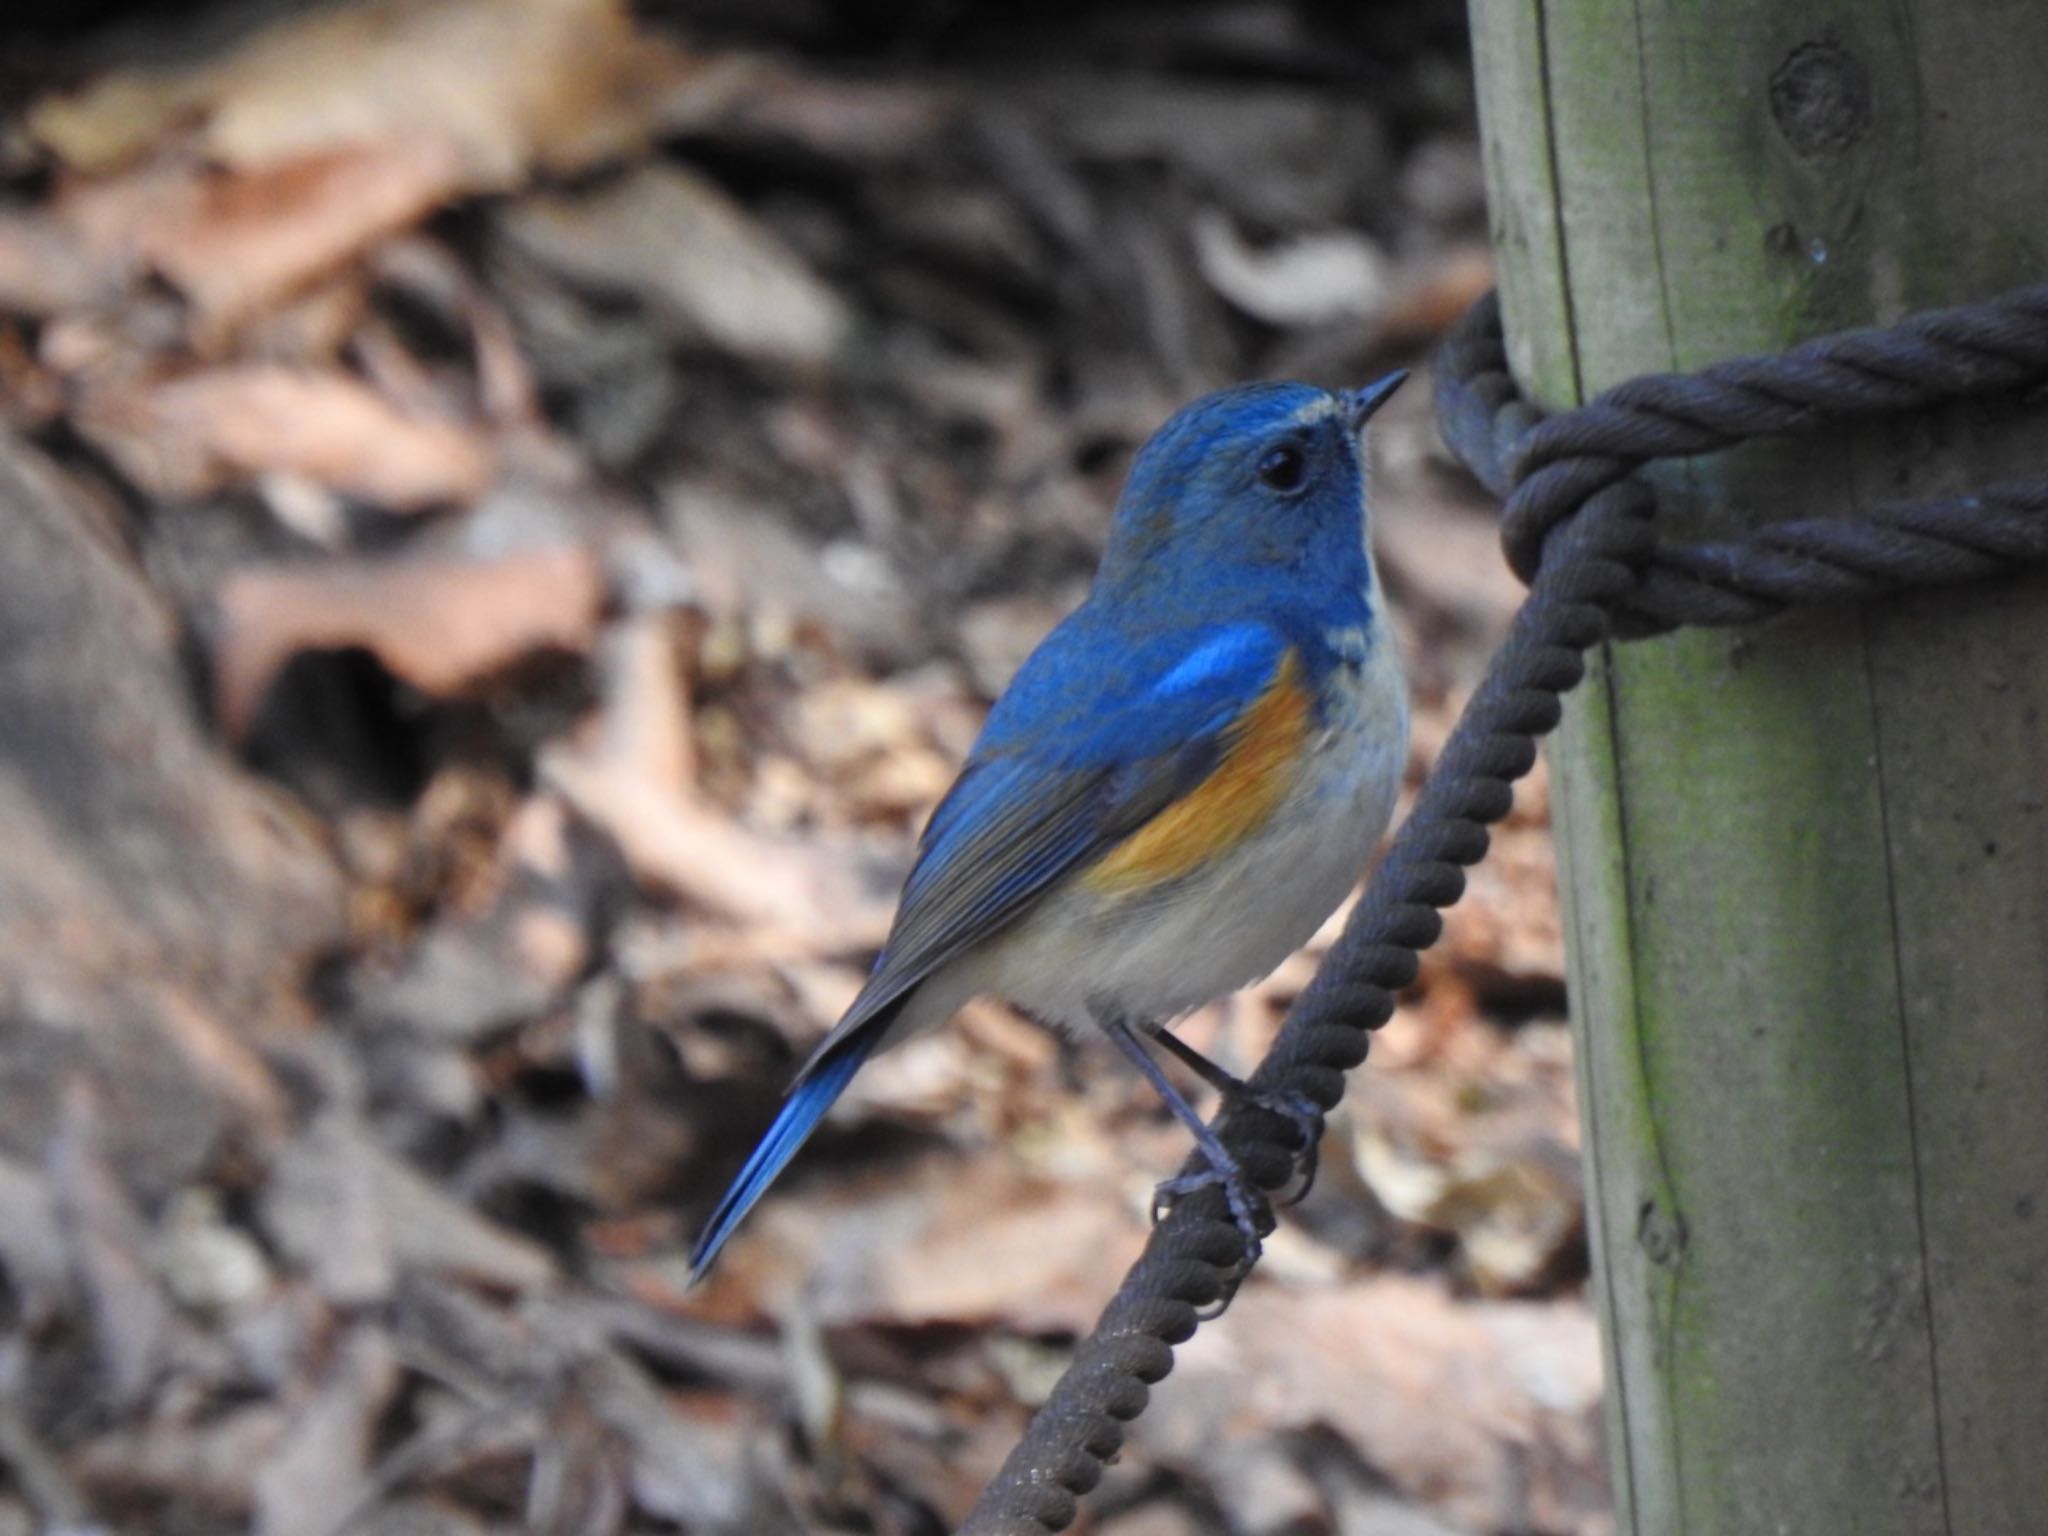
(1542, 467)
(1580, 527)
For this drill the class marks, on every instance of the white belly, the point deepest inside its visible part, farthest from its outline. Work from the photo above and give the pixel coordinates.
(1153, 957)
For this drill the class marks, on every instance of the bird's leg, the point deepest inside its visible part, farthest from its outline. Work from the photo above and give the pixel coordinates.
(1244, 1197)
(1297, 1109)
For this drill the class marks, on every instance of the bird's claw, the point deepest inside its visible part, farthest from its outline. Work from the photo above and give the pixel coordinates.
(1245, 1200)
(1306, 1116)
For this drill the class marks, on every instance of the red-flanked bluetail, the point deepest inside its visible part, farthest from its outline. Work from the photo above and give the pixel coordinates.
(1183, 781)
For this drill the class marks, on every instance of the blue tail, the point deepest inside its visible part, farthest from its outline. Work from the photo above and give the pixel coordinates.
(806, 1106)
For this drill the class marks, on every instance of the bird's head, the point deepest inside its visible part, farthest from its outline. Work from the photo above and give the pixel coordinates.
(1258, 484)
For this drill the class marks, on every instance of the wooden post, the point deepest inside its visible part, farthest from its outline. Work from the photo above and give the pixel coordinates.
(1806, 866)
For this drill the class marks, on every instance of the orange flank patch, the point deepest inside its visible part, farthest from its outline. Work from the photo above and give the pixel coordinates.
(1232, 803)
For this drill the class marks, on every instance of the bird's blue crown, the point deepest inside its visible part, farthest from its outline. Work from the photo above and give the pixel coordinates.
(1251, 502)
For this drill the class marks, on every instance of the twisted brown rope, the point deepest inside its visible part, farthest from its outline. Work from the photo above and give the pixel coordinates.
(1544, 467)
(1580, 527)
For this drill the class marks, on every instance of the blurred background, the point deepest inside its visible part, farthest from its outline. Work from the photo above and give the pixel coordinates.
(510, 513)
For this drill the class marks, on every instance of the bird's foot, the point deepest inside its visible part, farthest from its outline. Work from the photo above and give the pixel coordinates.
(1246, 1201)
(1305, 1115)
(1296, 1109)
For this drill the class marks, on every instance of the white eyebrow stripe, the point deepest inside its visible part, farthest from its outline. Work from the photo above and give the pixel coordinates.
(1315, 411)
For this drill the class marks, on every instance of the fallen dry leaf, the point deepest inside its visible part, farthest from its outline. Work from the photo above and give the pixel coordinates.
(130, 840)
(355, 1215)
(687, 1449)
(499, 82)
(319, 1210)
(189, 437)
(220, 1059)
(133, 1321)
(41, 270)
(317, 1468)
(871, 742)
(837, 116)
(30, 395)
(208, 1263)
(999, 1246)
(161, 1459)
(1489, 1411)
(511, 947)
(440, 624)
(646, 724)
(808, 892)
(33, 1245)
(1507, 932)
(632, 780)
(237, 243)
(1313, 279)
(233, 243)
(702, 262)
(323, 133)
(1263, 1486)
(1471, 1131)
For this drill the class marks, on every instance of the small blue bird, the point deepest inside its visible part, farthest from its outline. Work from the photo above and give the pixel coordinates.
(1179, 786)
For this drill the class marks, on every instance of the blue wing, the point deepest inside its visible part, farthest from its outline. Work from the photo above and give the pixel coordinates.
(1094, 737)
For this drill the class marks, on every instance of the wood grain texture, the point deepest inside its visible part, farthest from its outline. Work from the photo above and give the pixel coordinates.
(1806, 866)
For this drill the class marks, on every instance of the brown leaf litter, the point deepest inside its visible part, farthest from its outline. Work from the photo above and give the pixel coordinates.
(527, 508)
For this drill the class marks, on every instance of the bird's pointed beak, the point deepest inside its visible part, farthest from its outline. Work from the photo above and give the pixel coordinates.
(1361, 405)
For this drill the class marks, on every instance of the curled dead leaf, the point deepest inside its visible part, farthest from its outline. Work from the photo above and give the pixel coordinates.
(441, 625)
(1312, 279)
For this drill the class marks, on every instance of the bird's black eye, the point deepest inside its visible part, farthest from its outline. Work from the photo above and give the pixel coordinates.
(1284, 469)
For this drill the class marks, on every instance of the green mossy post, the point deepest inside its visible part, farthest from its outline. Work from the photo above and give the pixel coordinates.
(1806, 866)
